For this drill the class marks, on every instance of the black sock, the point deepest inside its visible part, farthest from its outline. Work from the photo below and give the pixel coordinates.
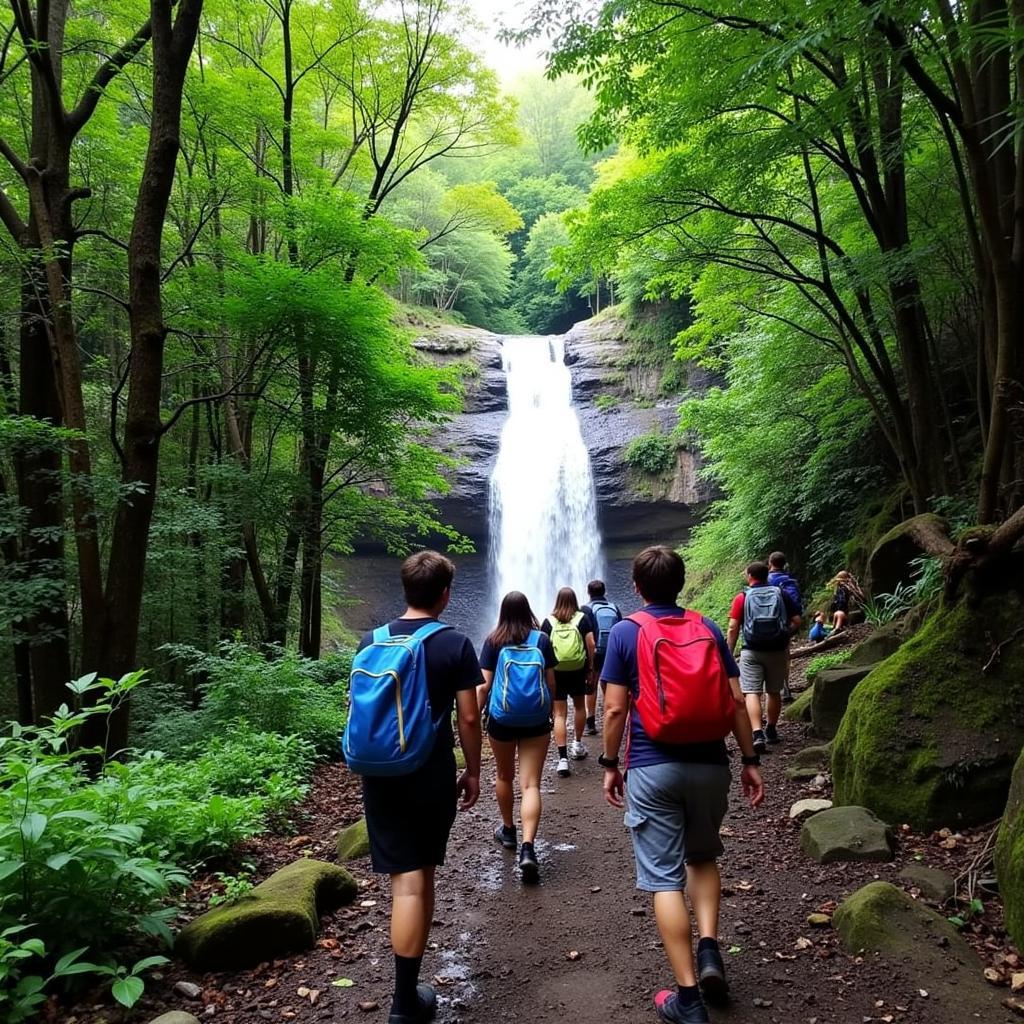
(707, 943)
(689, 995)
(526, 846)
(407, 976)
(563, 752)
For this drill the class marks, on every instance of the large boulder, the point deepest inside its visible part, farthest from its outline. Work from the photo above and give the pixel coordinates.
(800, 709)
(845, 834)
(883, 643)
(931, 735)
(812, 757)
(832, 690)
(1010, 856)
(931, 955)
(353, 842)
(280, 916)
(889, 566)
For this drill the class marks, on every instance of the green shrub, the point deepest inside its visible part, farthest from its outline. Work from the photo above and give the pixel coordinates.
(653, 454)
(605, 403)
(825, 661)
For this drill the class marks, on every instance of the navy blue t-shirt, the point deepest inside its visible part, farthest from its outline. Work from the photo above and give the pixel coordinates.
(451, 667)
(790, 589)
(621, 669)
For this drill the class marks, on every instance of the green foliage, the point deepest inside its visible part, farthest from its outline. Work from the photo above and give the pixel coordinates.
(825, 661)
(234, 888)
(653, 454)
(605, 403)
(926, 584)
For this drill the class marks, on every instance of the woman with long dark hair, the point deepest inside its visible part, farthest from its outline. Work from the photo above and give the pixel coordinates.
(572, 638)
(518, 662)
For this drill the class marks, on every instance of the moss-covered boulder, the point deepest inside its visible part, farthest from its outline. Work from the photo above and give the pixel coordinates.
(800, 709)
(1010, 856)
(280, 916)
(846, 834)
(883, 643)
(353, 842)
(832, 690)
(889, 566)
(812, 757)
(931, 735)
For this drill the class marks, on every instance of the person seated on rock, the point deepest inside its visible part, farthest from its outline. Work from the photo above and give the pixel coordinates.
(778, 576)
(409, 816)
(818, 630)
(845, 593)
(676, 794)
(518, 665)
(603, 614)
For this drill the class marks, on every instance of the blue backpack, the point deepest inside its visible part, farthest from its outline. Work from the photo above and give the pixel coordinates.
(765, 620)
(519, 693)
(391, 728)
(605, 616)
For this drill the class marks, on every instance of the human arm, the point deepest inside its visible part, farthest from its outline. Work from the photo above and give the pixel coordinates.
(616, 714)
(484, 689)
(735, 620)
(750, 777)
(468, 715)
(549, 678)
(591, 646)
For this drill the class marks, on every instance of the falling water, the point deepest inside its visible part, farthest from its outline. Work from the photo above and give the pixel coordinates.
(543, 510)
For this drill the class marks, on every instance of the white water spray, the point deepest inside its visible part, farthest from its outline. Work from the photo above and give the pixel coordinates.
(543, 510)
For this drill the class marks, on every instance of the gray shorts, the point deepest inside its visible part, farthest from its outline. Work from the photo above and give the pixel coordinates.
(674, 813)
(763, 671)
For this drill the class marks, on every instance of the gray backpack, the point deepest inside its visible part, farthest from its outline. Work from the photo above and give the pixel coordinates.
(765, 621)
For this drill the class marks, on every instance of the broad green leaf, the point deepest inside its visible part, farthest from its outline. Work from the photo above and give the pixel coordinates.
(128, 990)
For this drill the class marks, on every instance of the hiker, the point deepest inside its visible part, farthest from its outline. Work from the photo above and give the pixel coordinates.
(518, 665)
(845, 591)
(572, 638)
(768, 618)
(603, 614)
(778, 576)
(399, 737)
(818, 630)
(676, 791)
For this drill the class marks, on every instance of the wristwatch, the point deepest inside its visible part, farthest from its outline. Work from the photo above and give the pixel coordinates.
(607, 762)
(754, 761)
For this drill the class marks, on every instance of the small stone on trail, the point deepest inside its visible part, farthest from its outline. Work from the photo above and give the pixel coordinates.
(993, 977)
(573, 954)
(1015, 1004)
(368, 1005)
(1017, 981)
(762, 1003)
(819, 920)
(805, 808)
(595, 888)
(175, 1017)
(188, 989)
(932, 883)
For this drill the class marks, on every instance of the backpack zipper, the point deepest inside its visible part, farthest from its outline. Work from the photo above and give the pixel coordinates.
(398, 701)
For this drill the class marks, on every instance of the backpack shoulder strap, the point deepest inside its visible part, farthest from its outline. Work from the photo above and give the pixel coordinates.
(642, 618)
(428, 629)
(577, 619)
(381, 635)
(533, 640)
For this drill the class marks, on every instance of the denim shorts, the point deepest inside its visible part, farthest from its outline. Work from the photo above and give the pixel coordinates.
(674, 813)
(763, 671)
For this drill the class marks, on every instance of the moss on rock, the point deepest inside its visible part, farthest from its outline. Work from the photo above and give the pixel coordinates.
(812, 757)
(832, 690)
(281, 915)
(353, 841)
(882, 644)
(889, 565)
(1010, 856)
(800, 709)
(929, 738)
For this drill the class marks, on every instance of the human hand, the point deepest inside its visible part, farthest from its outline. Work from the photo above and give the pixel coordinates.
(468, 788)
(753, 785)
(614, 787)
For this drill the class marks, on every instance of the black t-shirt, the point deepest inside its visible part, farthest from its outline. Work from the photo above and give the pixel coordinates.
(451, 668)
(489, 654)
(588, 611)
(586, 629)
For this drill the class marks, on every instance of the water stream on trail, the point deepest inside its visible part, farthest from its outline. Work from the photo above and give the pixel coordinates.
(543, 508)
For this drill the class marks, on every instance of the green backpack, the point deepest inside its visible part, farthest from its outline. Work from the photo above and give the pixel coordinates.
(567, 643)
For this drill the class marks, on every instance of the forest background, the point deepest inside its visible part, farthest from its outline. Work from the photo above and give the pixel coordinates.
(222, 224)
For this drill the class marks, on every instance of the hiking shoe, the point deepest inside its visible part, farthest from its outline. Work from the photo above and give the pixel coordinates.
(670, 1009)
(711, 975)
(760, 743)
(428, 1008)
(506, 835)
(528, 866)
(591, 729)
(577, 751)
(787, 695)
(563, 767)
(771, 734)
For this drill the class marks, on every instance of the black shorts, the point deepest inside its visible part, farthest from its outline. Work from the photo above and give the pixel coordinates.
(409, 817)
(510, 733)
(570, 684)
(599, 657)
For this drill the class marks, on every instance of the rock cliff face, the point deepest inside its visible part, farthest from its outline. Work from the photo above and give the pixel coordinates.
(632, 507)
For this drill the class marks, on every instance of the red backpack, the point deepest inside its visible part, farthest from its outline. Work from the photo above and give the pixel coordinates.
(685, 695)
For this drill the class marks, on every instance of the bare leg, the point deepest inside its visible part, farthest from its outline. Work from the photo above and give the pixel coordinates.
(412, 911)
(674, 925)
(561, 710)
(592, 704)
(505, 763)
(579, 712)
(531, 763)
(774, 708)
(704, 884)
(753, 701)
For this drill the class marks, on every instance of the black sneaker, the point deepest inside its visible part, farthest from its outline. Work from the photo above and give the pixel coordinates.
(528, 866)
(711, 975)
(670, 1009)
(428, 1008)
(591, 729)
(787, 695)
(771, 734)
(506, 835)
(760, 743)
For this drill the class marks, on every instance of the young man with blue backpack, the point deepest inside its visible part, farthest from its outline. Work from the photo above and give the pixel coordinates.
(767, 617)
(518, 664)
(778, 576)
(407, 677)
(673, 684)
(603, 614)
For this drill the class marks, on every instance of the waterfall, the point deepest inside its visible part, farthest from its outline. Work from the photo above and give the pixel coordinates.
(543, 509)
